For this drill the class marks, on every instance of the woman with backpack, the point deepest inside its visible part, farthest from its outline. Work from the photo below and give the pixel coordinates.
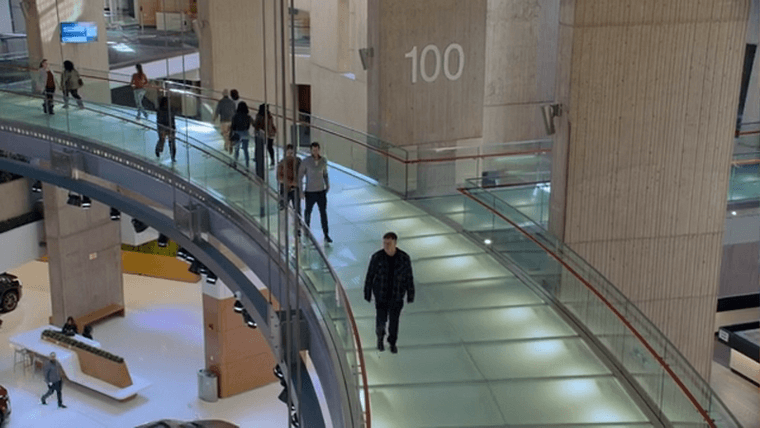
(71, 81)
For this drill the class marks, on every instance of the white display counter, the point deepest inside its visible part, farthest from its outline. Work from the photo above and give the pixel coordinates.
(69, 362)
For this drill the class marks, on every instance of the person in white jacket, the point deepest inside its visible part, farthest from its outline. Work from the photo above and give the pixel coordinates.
(70, 84)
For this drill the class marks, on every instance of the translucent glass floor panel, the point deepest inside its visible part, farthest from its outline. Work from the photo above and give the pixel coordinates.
(372, 211)
(489, 294)
(343, 254)
(366, 231)
(495, 292)
(361, 195)
(536, 358)
(458, 268)
(471, 327)
(565, 401)
(422, 365)
(507, 323)
(440, 405)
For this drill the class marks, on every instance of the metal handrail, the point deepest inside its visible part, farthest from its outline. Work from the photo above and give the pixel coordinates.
(556, 254)
(357, 338)
(223, 157)
(191, 90)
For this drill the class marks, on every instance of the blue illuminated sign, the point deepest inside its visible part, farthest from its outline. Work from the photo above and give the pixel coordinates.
(79, 32)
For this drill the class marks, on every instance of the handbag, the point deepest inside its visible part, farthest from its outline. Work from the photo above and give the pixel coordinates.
(234, 137)
(81, 82)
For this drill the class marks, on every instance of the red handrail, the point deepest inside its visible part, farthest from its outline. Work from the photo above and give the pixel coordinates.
(745, 162)
(313, 126)
(588, 285)
(347, 303)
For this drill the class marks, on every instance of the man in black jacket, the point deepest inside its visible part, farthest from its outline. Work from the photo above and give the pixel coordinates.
(389, 278)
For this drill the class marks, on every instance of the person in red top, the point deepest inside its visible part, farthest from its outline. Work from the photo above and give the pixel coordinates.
(139, 84)
(46, 85)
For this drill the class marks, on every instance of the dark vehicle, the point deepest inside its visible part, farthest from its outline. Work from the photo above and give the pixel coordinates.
(5, 405)
(171, 423)
(10, 292)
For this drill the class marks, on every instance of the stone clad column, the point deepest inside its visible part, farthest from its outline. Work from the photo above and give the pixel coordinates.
(43, 28)
(84, 250)
(238, 355)
(641, 158)
(232, 48)
(425, 79)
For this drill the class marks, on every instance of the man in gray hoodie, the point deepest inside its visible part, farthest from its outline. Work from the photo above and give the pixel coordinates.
(314, 168)
(224, 111)
(53, 380)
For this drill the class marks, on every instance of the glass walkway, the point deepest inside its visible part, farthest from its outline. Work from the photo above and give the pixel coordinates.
(482, 345)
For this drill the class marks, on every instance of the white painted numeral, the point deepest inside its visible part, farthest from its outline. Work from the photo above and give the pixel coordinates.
(413, 55)
(423, 63)
(420, 63)
(447, 62)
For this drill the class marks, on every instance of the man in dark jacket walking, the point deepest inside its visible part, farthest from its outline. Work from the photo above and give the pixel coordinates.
(166, 128)
(53, 380)
(389, 279)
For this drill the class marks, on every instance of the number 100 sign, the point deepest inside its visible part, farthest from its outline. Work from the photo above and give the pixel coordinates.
(420, 63)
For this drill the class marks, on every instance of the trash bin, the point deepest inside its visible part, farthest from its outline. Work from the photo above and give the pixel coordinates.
(207, 386)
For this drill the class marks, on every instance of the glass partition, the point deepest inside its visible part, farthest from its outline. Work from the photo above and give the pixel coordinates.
(669, 381)
(411, 171)
(236, 188)
(744, 183)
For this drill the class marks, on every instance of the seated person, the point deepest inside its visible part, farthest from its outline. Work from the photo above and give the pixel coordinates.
(87, 332)
(70, 328)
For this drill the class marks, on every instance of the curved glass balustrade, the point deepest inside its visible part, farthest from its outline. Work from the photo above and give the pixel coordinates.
(478, 347)
(394, 167)
(744, 183)
(210, 169)
(679, 393)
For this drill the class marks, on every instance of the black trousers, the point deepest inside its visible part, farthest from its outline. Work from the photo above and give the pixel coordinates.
(47, 107)
(55, 386)
(292, 197)
(74, 94)
(388, 312)
(320, 198)
(270, 149)
(163, 135)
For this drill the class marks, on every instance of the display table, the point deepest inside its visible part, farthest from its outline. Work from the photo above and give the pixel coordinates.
(69, 362)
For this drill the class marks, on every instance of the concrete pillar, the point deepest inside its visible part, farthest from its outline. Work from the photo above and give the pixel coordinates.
(233, 51)
(84, 248)
(521, 51)
(43, 29)
(237, 354)
(426, 79)
(641, 156)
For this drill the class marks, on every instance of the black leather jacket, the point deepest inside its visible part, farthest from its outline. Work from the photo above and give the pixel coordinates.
(377, 278)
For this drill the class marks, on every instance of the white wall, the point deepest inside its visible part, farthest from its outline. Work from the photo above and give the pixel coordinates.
(25, 241)
(6, 24)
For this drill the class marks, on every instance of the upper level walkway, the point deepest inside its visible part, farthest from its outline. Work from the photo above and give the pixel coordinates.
(478, 347)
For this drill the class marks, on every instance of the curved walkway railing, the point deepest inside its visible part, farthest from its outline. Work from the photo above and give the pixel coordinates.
(672, 384)
(252, 199)
(389, 165)
(680, 394)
